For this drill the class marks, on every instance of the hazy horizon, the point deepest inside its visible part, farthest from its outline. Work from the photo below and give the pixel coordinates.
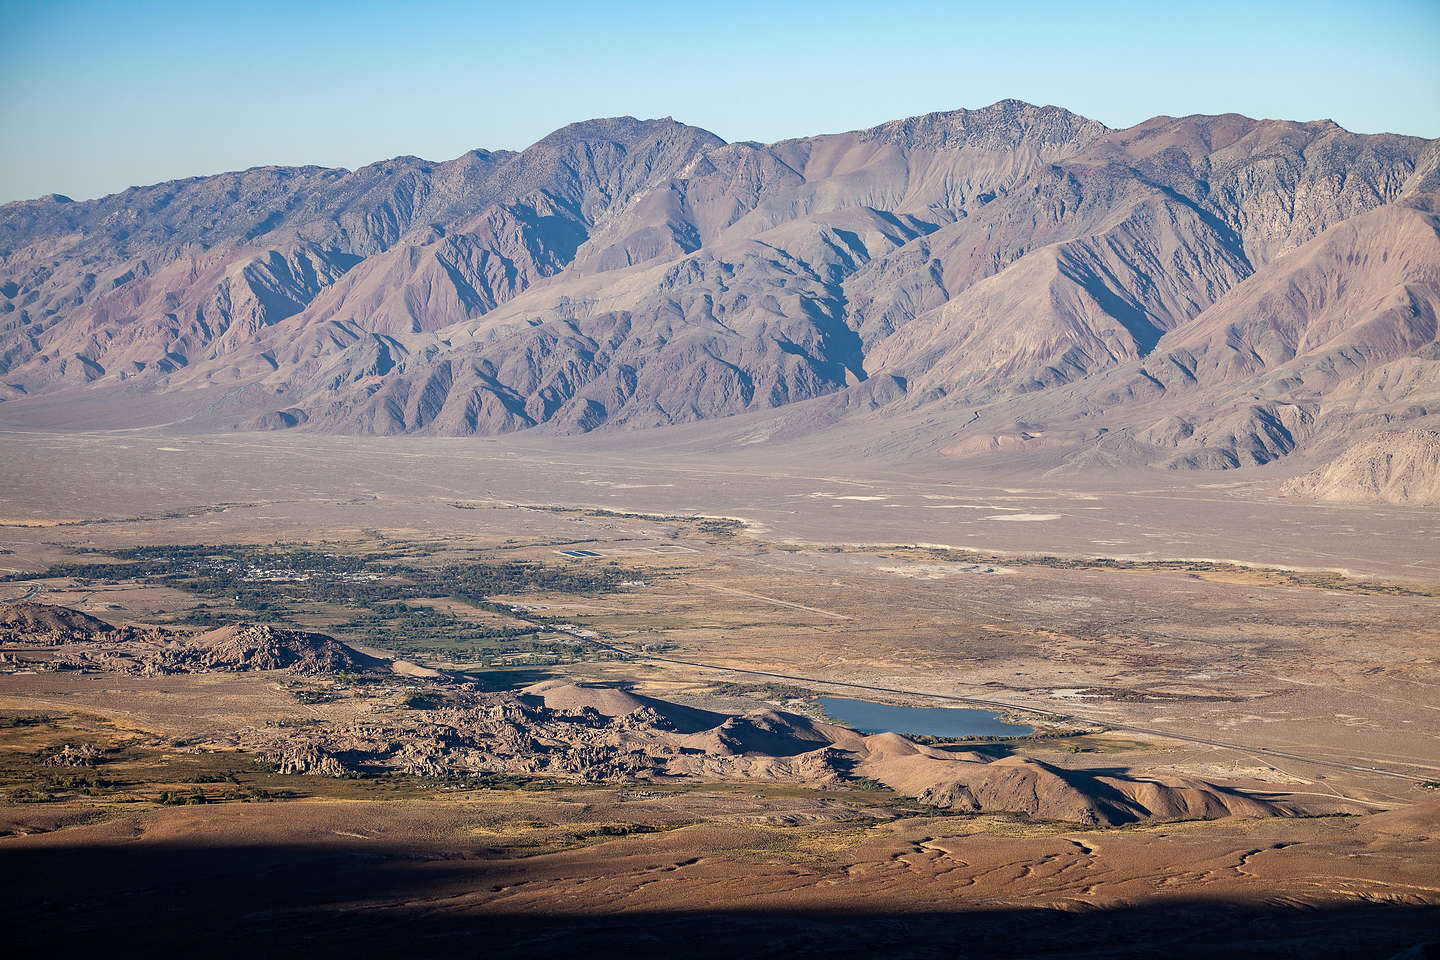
(95, 106)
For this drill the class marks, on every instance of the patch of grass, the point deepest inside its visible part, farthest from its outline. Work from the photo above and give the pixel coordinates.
(1217, 570)
(615, 830)
(16, 721)
(869, 785)
(763, 691)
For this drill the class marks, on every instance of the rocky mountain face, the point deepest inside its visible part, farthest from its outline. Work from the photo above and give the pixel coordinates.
(1394, 466)
(1199, 291)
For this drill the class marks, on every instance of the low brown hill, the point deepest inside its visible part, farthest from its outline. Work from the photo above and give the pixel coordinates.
(765, 732)
(158, 650)
(265, 647)
(566, 697)
(1398, 466)
(1019, 784)
(27, 622)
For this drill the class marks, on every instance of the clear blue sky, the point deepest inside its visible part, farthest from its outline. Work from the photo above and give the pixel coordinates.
(95, 97)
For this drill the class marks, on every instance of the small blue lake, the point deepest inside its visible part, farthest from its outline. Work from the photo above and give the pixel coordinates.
(868, 717)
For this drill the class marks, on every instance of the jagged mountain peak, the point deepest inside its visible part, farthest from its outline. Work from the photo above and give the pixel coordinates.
(999, 126)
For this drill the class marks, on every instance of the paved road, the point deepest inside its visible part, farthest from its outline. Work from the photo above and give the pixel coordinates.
(1000, 704)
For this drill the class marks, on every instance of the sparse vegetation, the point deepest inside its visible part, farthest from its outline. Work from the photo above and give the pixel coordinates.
(869, 785)
(195, 795)
(259, 577)
(763, 691)
(719, 527)
(379, 590)
(1316, 580)
(17, 720)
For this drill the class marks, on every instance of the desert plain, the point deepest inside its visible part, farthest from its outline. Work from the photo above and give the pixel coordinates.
(1233, 696)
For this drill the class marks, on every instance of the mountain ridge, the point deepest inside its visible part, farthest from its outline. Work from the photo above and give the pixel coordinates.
(643, 273)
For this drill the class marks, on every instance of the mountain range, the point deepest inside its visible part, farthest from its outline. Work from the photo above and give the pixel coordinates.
(1196, 292)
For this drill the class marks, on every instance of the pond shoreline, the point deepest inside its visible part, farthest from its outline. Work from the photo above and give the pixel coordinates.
(868, 717)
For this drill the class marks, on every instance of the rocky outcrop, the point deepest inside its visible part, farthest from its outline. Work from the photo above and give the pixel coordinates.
(72, 755)
(602, 734)
(265, 647)
(25, 622)
(89, 643)
(297, 755)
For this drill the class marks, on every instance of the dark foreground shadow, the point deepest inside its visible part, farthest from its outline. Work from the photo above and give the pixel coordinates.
(266, 902)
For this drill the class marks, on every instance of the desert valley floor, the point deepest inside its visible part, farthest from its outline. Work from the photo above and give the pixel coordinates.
(1236, 698)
